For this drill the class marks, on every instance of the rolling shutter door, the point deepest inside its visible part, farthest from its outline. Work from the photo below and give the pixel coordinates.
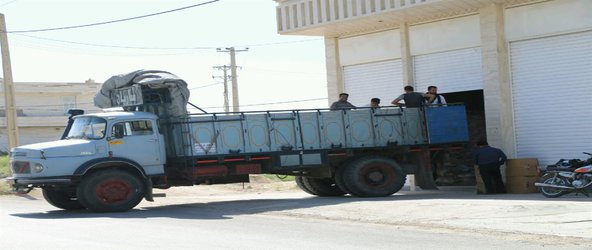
(380, 79)
(450, 71)
(552, 93)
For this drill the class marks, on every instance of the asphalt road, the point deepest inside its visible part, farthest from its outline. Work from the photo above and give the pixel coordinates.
(275, 220)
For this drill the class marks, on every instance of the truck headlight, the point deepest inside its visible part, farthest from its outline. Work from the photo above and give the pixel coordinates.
(37, 167)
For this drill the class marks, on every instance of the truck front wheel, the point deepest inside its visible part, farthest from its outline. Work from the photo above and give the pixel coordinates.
(373, 176)
(60, 198)
(110, 191)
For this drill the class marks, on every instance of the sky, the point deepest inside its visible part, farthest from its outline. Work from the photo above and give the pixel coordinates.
(277, 71)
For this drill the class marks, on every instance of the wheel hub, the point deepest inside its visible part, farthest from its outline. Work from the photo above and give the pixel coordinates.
(114, 190)
(376, 175)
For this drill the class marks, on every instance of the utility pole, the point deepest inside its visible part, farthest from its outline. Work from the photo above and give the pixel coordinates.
(232, 50)
(225, 69)
(11, 125)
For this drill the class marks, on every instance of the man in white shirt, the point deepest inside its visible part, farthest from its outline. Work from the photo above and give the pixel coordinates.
(439, 99)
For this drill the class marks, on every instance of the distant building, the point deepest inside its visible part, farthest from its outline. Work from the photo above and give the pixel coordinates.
(42, 106)
(522, 67)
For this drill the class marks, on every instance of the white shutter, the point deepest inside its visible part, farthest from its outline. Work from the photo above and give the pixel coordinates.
(552, 96)
(450, 71)
(379, 79)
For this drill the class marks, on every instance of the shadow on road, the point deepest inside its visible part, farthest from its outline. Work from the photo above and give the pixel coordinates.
(228, 209)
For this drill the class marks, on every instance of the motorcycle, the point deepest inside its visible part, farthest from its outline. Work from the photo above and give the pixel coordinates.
(567, 176)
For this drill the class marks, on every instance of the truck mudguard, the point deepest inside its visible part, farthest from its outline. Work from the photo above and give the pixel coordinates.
(110, 162)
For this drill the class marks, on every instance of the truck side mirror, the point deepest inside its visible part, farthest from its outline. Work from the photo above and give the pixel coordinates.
(118, 130)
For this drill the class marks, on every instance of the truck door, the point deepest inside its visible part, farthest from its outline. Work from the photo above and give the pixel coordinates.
(138, 141)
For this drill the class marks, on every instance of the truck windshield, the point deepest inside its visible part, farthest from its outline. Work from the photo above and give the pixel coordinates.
(92, 128)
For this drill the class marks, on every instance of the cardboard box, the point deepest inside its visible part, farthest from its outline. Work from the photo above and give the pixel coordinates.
(526, 167)
(521, 185)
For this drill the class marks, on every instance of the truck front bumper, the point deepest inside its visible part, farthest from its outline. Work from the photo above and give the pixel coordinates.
(24, 185)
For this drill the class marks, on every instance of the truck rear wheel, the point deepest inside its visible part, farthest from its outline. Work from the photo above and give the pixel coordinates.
(373, 176)
(61, 199)
(322, 186)
(301, 185)
(110, 191)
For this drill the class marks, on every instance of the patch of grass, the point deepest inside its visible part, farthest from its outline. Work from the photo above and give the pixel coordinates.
(274, 177)
(4, 172)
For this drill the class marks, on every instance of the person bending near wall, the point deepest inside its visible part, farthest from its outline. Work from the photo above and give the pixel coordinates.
(489, 160)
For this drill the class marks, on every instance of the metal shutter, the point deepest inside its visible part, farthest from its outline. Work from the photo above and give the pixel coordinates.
(379, 79)
(552, 93)
(450, 71)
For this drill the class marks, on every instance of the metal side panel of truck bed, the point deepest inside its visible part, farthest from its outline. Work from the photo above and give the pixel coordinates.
(303, 130)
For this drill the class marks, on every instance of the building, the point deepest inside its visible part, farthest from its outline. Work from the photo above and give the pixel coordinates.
(42, 107)
(522, 67)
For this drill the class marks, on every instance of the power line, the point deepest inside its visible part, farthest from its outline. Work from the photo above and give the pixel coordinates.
(157, 48)
(278, 43)
(288, 72)
(7, 3)
(112, 21)
(205, 86)
(272, 103)
(246, 105)
(117, 46)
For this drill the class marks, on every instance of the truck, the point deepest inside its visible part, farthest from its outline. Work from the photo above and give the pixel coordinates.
(112, 160)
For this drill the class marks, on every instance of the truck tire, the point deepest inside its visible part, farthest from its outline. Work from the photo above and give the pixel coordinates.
(373, 176)
(110, 191)
(61, 199)
(300, 183)
(322, 186)
(339, 179)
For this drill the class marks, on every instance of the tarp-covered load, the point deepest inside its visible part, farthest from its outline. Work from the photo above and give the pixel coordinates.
(134, 82)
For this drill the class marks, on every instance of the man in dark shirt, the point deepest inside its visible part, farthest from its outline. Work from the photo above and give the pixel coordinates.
(342, 103)
(413, 99)
(489, 160)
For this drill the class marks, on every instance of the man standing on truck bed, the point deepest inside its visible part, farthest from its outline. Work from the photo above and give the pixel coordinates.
(438, 100)
(413, 99)
(342, 103)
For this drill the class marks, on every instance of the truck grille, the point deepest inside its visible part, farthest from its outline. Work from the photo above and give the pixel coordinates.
(21, 167)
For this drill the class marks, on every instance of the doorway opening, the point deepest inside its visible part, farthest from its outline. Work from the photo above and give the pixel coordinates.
(456, 167)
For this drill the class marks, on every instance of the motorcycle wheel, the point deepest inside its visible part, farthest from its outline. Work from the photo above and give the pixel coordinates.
(551, 192)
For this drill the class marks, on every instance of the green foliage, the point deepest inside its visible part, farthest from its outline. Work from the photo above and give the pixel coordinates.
(274, 177)
(4, 172)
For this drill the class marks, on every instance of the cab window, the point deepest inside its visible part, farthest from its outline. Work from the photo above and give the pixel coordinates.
(133, 128)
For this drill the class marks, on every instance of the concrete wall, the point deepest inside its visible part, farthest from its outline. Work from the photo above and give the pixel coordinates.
(458, 33)
(548, 18)
(28, 135)
(370, 48)
(42, 109)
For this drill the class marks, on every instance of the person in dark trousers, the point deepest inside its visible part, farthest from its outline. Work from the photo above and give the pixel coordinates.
(489, 160)
(413, 99)
(342, 103)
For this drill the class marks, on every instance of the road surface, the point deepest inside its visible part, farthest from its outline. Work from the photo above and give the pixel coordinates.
(231, 219)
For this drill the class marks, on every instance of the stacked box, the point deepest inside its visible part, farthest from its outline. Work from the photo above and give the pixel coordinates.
(521, 174)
